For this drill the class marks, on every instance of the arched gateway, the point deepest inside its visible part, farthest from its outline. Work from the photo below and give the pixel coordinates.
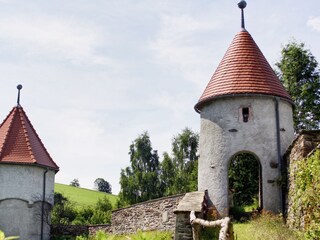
(243, 108)
(245, 180)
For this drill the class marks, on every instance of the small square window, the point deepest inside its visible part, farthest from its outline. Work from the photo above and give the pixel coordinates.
(245, 114)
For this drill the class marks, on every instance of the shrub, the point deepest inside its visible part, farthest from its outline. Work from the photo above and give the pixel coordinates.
(3, 237)
(306, 195)
(100, 217)
(154, 235)
(210, 233)
(63, 212)
(104, 204)
(100, 235)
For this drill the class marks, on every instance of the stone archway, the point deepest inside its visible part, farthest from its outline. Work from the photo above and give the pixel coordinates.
(245, 181)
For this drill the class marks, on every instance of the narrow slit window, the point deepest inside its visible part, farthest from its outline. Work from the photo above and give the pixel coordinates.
(245, 114)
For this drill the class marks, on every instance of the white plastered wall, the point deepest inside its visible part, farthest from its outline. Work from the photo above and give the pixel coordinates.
(224, 134)
(21, 190)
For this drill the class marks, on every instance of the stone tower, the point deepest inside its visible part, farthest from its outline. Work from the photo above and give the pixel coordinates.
(243, 109)
(26, 179)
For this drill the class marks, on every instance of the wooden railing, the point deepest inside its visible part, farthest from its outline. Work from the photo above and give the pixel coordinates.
(226, 229)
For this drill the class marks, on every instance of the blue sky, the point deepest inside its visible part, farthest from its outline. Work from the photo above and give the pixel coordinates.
(96, 74)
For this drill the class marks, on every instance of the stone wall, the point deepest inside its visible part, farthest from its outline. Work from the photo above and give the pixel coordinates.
(192, 201)
(301, 147)
(157, 214)
(183, 227)
(78, 230)
(93, 229)
(68, 230)
(152, 215)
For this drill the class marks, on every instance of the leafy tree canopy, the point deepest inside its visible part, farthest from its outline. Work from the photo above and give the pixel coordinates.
(102, 185)
(299, 72)
(140, 181)
(75, 183)
(147, 178)
(180, 171)
(244, 179)
(63, 212)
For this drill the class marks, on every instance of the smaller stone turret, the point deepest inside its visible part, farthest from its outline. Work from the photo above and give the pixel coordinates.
(26, 178)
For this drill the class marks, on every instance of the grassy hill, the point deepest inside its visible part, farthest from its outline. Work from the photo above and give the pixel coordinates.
(82, 196)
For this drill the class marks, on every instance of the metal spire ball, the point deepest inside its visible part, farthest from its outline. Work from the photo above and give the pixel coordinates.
(242, 6)
(19, 87)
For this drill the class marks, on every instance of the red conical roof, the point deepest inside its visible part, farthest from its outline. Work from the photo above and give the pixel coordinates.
(19, 142)
(243, 71)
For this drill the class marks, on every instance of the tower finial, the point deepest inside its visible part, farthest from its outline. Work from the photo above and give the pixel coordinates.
(19, 87)
(242, 5)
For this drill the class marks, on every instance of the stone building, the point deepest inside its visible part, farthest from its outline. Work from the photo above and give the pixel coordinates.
(26, 179)
(243, 109)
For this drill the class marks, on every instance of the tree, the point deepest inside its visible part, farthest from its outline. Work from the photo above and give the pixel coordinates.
(167, 175)
(63, 212)
(140, 181)
(75, 183)
(298, 71)
(185, 148)
(179, 173)
(102, 185)
(243, 176)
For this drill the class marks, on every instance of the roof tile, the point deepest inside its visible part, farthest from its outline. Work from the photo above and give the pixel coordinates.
(243, 70)
(19, 142)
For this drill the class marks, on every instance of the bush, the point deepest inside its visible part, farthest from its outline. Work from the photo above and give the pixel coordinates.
(3, 237)
(104, 204)
(65, 213)
(100, 235)
(62, 238)
(306, 195)
(100, 217)
(210, 233)
(155, 235)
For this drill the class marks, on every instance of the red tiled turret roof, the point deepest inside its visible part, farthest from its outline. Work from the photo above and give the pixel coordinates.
(243, 70)
(19, 142)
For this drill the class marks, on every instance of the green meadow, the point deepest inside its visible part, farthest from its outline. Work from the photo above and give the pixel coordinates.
(83, 197)
(265, 227)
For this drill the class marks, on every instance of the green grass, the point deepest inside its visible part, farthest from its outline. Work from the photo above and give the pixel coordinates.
(153, 235)
(250, 225)
(83, 197)
(264, 227)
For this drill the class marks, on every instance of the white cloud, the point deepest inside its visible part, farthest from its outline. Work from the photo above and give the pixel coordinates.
(53, 38)
(182, 43)
(81, 145)
(314, 22)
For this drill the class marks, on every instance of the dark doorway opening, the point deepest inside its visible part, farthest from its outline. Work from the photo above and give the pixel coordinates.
(245, 185)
